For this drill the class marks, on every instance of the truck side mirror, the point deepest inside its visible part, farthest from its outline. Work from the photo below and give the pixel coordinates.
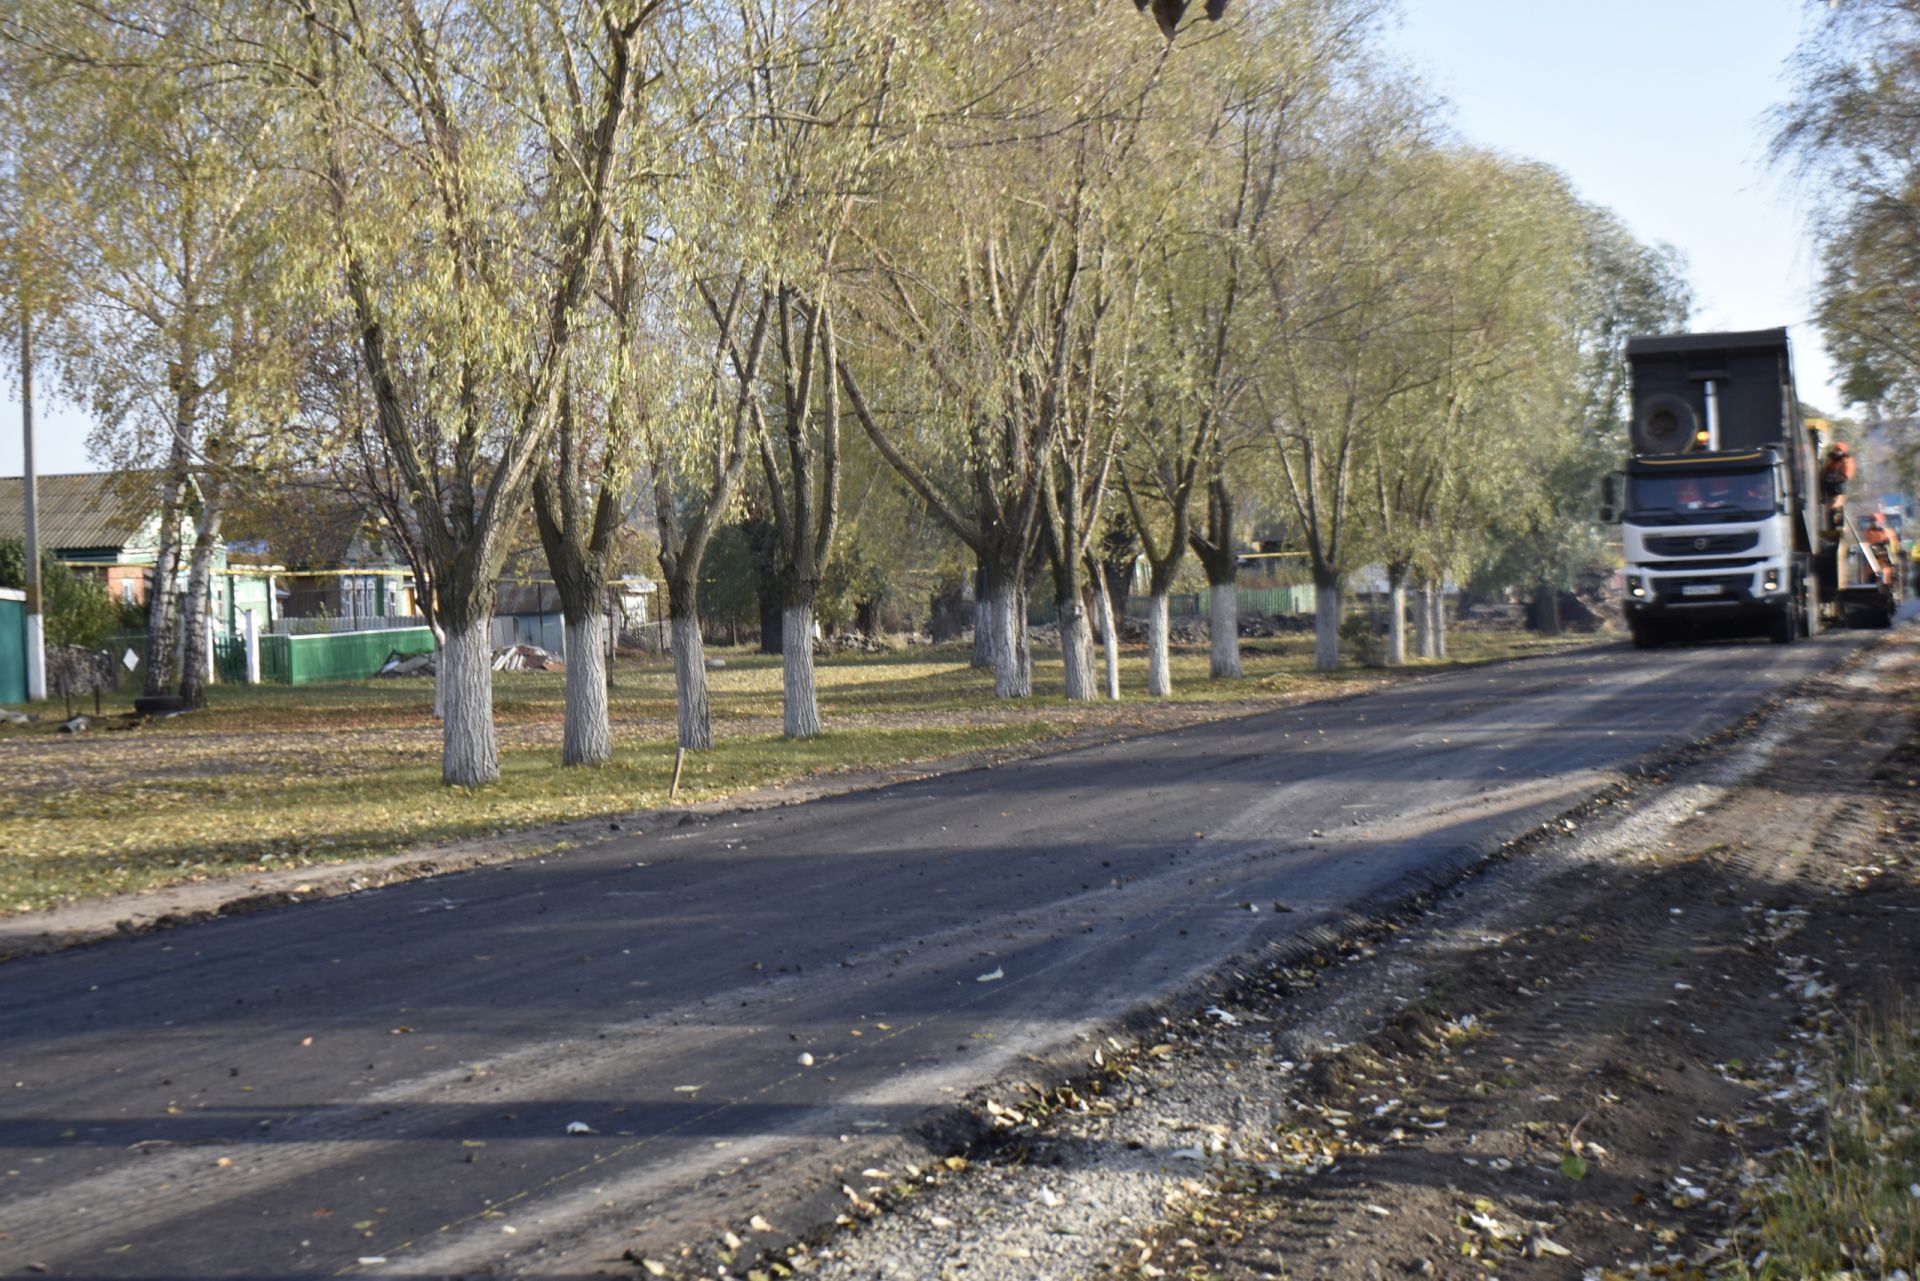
(1611, 486)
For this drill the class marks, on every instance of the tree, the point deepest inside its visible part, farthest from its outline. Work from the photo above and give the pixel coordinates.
(1853, 132)
(1250, 117)
(580, 500)
(1536, 506)
(991, 279)
(1496, 285)
(79, 609)
(158, 205)
(1333, 262)
(466, 163)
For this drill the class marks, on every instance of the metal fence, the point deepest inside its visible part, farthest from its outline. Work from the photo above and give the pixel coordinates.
(276, 660)
(332, 625)
(548, 631)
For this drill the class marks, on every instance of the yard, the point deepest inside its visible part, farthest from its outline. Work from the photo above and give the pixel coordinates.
(275, 777)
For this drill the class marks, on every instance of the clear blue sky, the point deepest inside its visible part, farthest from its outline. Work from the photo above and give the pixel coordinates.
(1654, 108)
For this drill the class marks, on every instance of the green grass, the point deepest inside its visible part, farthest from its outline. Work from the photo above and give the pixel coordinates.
(276, 776)
(1852, 1206)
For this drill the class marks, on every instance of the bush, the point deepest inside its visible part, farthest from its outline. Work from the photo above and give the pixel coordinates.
(78, 608)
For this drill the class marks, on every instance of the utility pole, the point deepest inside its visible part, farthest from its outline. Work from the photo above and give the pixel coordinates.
(36, 624)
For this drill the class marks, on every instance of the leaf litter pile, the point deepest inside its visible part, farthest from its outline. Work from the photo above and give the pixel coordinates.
(1684, 1055)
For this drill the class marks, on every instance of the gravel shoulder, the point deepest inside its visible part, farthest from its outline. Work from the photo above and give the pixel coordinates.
(1577, 1063)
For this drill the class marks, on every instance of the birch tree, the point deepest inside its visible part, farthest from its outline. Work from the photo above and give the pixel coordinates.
(158, 184)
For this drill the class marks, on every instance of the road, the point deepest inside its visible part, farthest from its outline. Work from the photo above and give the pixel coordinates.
(747, 1011)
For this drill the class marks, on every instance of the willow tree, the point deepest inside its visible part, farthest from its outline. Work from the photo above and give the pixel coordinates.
(615, 393)
(466, 161)
(1525, 516)
(813, 130)
(1496, 286)
(1334, 261)
(1852, 129)
(1245, 108)
(983, 280)
(698, 450)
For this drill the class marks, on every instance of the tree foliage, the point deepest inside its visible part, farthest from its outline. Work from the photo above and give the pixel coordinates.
(1853, 129)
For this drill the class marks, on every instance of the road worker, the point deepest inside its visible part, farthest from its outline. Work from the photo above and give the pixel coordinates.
(1885, 547)
(1835, 477)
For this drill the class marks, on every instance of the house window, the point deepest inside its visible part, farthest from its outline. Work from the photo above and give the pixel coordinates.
(126, 590)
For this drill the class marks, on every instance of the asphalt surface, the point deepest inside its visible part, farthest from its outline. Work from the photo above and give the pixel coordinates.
(747, 1011)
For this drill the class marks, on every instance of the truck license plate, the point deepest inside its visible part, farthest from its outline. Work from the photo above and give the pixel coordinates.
(1700, 589)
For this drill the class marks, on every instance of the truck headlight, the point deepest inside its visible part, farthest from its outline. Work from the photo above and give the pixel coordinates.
(1772, 584)
(1636, 586)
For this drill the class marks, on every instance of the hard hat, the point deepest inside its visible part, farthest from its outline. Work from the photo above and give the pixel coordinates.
(1840, 447)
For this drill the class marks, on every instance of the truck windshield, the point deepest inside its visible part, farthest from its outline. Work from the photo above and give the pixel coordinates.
(1700, 498)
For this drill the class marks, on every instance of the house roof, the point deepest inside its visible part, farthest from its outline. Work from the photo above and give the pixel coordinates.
(77, 510)
(309, 525)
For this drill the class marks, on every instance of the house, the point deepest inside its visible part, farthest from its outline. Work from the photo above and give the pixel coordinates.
(329, 554)
(107, 523)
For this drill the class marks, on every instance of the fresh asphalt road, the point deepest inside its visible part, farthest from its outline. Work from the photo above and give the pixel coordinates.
(383, 1084)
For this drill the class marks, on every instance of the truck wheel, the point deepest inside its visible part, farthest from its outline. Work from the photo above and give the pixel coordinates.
(1647, 634)
(1784, 627)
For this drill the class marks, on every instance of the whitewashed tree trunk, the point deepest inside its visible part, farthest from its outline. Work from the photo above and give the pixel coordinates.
(439, 673)
(1423, 622)
(1326, 626)
(586, 739)
(470, 756)
(1076, 650)
(1109, 636)
(1437, 602)
(1159, 660)
(1397, 622)
(1010, 679)
(1223, 622)
(983, 632)
(800, 706)
(690, 685)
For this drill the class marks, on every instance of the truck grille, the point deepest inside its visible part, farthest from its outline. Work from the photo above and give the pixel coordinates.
(1709, 588)
(1702, 544)
(1731, 562)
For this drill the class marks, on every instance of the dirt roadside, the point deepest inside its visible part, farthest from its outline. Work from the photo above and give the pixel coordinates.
(1577, 1064)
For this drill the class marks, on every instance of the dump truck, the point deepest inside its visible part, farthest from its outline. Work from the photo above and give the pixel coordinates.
(1719, 507)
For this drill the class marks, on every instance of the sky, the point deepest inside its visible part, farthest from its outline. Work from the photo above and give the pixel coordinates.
(1656, 110)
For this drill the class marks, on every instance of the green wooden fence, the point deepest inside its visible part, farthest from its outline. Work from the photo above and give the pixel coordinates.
(13, 648)
(344, 656)
(291, 660)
